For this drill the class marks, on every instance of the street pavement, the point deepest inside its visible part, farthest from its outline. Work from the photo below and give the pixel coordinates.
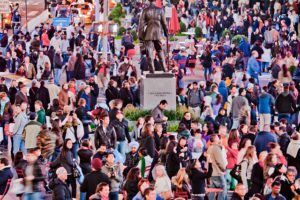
(34, 8)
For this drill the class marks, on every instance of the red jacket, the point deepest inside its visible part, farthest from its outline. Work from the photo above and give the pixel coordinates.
(232, 155)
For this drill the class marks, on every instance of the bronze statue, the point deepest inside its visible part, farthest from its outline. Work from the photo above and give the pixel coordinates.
(151, 25)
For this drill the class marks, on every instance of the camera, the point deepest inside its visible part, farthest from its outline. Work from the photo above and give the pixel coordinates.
(112, 172)
(71, 113)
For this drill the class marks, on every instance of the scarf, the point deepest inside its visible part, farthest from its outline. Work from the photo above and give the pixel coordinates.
(143, 166)
(293, 148)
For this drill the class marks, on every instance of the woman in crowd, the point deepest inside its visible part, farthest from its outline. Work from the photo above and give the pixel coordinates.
(198, 176)
(180, 184)
(65, 159)
(85, 154)
(162, 182)
(247, 163)
(131, 183)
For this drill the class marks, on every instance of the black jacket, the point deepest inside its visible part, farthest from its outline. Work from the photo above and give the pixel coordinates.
(285, 103)
(65, 161)
(44, 96)
(257, 179)
(12, 94)
(111, 93)
(283, 141)
(109, 137)
(91, 181)
(172, 164)
(198, 178)
(60, 190)
(112, 114)
(131, 187)
(294, 161)
(94, 94)
(121, 129)
(85, 156)
(131, 159)
(149, 144)
(126, 96)
(5, 174)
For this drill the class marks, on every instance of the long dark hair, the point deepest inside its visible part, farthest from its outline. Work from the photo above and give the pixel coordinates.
(65, 149)
(284, 70)
(18, 158)
(191, 166)
(171, 146)
(133, 174)
(79, 59)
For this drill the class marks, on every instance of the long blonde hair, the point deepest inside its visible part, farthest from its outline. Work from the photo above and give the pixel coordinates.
(180, 178)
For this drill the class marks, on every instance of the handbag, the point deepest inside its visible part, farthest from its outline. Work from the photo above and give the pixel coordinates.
(77, 172)
(236, 173)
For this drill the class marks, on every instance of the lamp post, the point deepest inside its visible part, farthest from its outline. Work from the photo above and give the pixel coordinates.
(105, 38)
(26, 13)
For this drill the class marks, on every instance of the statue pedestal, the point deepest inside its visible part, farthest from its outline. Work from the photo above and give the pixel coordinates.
(157, 87)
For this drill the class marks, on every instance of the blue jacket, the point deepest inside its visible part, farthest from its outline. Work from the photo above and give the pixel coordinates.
(223, 91)
(279, 197)
(253, 68)
(87, 99)
(262, 140)
(244, 46)
(265, 102)
(5, 174)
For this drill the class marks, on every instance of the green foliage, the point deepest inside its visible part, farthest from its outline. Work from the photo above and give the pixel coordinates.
(292, 69)
(237, 39)
(173, 38)
(198, 32)
(121, 31)
(172, 127)
(133, 114)
(118, 37)
(180, 34)
(182, 27)
(134, 35)
(225, 32)
(117, 13)
(130, 128)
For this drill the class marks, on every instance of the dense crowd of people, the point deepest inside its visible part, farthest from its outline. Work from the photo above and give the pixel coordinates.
(238, 139)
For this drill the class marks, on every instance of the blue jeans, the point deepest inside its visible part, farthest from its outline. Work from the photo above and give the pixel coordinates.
(65, 57)
(82, 195)
(57, 74)
(32, 196)
(75, 149)
(18, 144)
(70, 75)
(127, 9)
(264, 65)
(207, 73)
(218, 182)
(121, 146)
(113, 195)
